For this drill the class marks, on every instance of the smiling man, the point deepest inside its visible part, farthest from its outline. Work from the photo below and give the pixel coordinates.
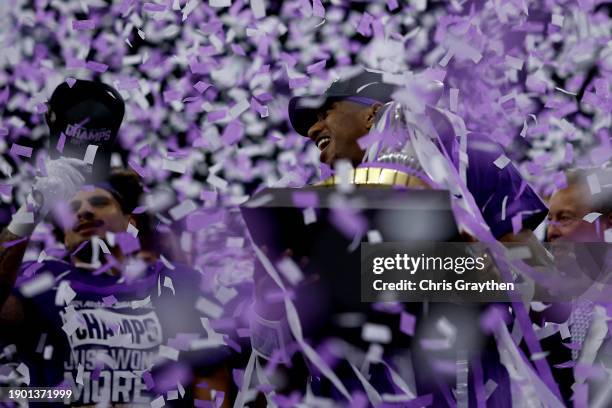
(348, 111)
(108, 329)
(358, 107)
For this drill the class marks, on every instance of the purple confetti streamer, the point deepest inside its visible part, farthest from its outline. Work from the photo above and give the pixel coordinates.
(20, 150)
(305, 199)
(233, 132)
(96, 66)
(407, 323)
(148, 379)
(83, 25)
(365, 25)
(317, 9)
(61, 141)
(6, 190)
(154, 7)
(109, 300)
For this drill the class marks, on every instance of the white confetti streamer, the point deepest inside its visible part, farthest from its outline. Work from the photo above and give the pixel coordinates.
(90, 154)
(502, 161)
(159, 402)
(25, 373)
(591, 217)
(225, 294)
(374, 237)
(376, 333)
(48, 352)
(168, 284)
(37, 285)
(220, 3)
(309, 215)
(176, 166)
(290, 271)
(593, 182)
(454, 99)
(182, 210)
(168, 352)
(64, 294)
(137, 304)
(209, 308)
(132, 230)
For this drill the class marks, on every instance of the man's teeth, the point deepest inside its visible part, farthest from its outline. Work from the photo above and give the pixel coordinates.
(323, 142)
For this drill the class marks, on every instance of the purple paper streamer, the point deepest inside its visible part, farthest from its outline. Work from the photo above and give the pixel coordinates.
(233, 132)
(148, 379)
(216, 115)
(350, 224)
(238, 377)
(202, 86)
(81, 246)
(140, 210)
(6, 190)
(580, 396)
(154, 7)
(299, 82)
(197, 221)
(20, 150)
(172, 95)
(109, 300)
(32, 269)
(589, 371)
(61, 142)
(96, 66)
(142, 172)
(104, 268)
(238, 50)
(407, 323)
(517, 223)
(317, 9)
(567, 364)
(83, 25)
(392, 4)
(364, 27)
(316, 67)
(233, 345)
(368, 140)
(305, 199)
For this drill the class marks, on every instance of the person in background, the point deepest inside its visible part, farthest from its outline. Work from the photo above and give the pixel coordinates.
(569, 206)
(103, 320)
(580, 231)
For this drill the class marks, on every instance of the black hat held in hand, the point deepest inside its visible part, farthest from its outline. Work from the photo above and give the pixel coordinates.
(87, 113)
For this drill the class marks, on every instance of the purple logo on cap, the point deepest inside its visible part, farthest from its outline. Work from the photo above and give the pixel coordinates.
(88, 135)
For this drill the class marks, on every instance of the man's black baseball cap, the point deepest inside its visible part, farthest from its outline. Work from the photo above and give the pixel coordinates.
(367, 86)
(86, 113)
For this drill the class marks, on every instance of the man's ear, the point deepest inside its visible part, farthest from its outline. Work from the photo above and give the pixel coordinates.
(371, 114)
